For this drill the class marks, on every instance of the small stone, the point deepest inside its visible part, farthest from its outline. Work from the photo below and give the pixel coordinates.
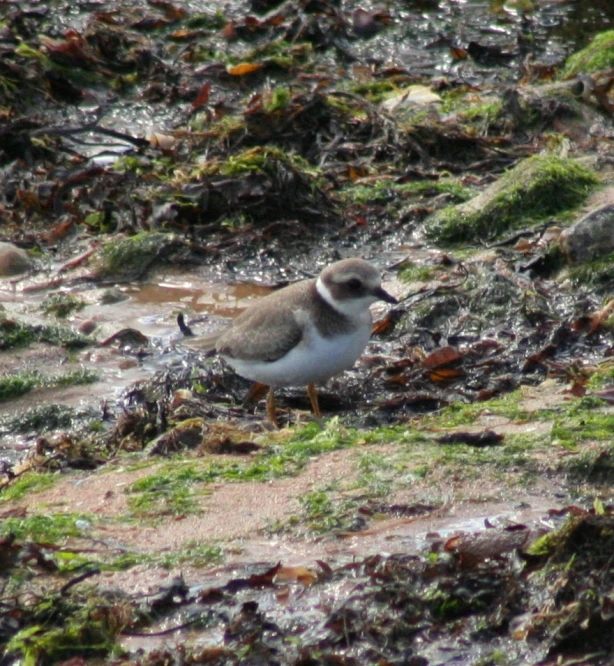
(13, 260)
(180, 396)
(88, 326)
(590, 237)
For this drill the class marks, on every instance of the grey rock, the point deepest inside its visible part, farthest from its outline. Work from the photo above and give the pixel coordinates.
(13, 260)
(590, 237)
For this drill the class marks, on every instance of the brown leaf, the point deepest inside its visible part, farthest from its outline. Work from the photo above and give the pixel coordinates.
(446, 374)
(384, 324)
(301, 575)
(59, 231)
(578, 388)
(244, 68)
(230, 32)
(442, 356)
(184, 34)
(266, 578)
(458, 53)
(203, 96)
(327, 570)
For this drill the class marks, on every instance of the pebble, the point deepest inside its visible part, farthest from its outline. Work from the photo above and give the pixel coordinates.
(13, 260)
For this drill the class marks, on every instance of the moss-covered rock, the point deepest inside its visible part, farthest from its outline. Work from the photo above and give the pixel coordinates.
(598, 56)
(536, 188)
(129, 258)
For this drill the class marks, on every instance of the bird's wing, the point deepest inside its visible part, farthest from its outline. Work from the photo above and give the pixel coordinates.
(203, 343)
(261, 335)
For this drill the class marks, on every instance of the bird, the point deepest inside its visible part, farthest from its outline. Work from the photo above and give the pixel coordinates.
(306, 332)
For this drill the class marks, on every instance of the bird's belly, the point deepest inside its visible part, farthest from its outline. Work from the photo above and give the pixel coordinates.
(312, 362)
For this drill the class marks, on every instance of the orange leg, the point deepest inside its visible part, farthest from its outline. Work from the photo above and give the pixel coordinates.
(256, 392)
(313, 396)
(270, 407)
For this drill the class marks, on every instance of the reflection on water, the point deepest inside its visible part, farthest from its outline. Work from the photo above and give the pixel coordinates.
(218, 299)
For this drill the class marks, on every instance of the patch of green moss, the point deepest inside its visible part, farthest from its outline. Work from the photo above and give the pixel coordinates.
(17, 384)
(485, 111)
(321, 514)
(175, 488)
(62, 336)
(61, 627)
(171, 491)
(195, 554)
(223, 129)
(374, 91)
(598, 56)
(280, 53)
(112, 296)
(279, 100)
(603, 376)
(458, 414)
(30, 482)
(585, 424)
(51, 528)
(42, 419)
(537, 188)
(130, 257)
(386, 192)
(410, 272)
(264, 160)
(16, 334)
(598, 274)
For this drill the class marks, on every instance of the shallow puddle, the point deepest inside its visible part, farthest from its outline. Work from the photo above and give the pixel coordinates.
(150, 308)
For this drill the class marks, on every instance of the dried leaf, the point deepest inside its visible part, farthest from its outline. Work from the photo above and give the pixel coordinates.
(244, 68)
(442, 356)
(301, 575)
(203, 96)
(446, 374)
(266, 578)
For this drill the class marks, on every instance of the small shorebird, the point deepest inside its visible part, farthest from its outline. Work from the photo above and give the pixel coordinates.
(306, 332)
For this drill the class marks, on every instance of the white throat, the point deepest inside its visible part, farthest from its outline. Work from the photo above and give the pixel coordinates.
(354, 308)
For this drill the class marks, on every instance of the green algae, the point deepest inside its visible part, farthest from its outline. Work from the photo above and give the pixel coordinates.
(536, 189)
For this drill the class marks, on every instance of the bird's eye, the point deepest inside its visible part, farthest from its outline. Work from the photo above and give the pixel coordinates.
(354, 284)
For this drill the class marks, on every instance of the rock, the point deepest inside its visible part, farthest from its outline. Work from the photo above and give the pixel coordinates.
(412, 96)
(127, 258)
(598, 56)
(590, 237)
(537, 188)
(13, 260)
(88, 327)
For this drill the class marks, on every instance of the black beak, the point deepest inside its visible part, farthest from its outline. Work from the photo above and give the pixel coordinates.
(383, 295)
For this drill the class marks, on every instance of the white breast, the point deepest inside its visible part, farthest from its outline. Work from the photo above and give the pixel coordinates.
(313, 361)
